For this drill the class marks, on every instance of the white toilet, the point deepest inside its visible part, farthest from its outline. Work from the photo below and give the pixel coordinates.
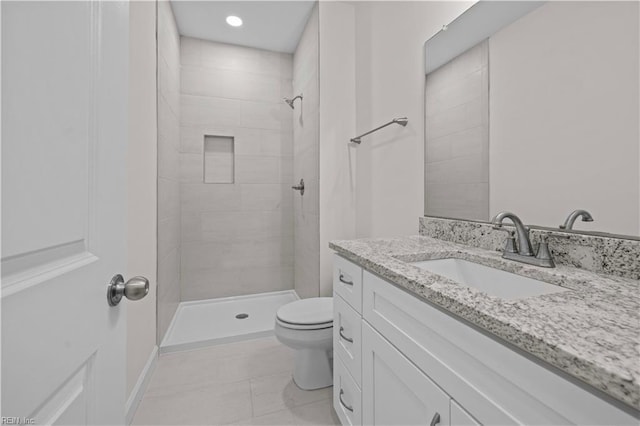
(307, 326)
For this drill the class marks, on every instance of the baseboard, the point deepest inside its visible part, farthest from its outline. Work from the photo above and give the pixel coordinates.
(141, 386)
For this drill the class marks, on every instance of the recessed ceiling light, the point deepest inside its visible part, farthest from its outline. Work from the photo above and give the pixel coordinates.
(234, 21)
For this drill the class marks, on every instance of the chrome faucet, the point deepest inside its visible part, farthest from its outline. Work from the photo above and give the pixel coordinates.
(522, 252)
(568, 224)
(524, 244)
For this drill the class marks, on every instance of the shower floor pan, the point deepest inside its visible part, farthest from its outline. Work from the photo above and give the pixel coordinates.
(210, 322)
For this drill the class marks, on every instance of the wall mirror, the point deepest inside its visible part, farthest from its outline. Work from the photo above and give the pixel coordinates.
(533, 107)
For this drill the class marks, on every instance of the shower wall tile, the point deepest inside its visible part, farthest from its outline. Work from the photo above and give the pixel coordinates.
(238, 58)
(199, 197)
(237, 238)
(306, 161)
(168, 159)
(264, 142)
(232, 282)
(168, 300)
(254, 252)
(169, 82)
(191, 167)
(264, 169)
(168, 198)
(260, 197)
(286, 66)
(264, 115)
(243, 226)
(168, 120)
(190, 51)
(230, 84)
(224, 227)
(248, 141)
(191, 226)
(168, 233)
(226, 281)
(209, 112)
(169, 221)
(286, 88)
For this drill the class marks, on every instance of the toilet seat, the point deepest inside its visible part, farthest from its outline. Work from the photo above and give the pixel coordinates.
(307, 314)
(304, 326)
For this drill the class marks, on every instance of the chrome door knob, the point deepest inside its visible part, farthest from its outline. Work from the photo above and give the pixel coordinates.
(134, 289)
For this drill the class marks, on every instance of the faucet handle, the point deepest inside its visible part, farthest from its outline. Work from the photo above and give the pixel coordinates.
(544, 254)
(510, 244)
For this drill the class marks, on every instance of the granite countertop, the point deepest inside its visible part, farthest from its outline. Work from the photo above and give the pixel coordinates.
(591, 332)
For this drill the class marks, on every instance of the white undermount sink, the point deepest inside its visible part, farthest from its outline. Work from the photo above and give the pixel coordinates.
(494, 282)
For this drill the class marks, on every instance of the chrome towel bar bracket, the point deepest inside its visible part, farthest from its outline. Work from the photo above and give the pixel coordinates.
(401, 121)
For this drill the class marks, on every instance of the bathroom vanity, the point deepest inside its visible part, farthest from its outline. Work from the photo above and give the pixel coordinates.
(412, 346)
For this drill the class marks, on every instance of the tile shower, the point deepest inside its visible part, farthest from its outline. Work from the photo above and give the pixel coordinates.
(237, 232)
(231, 229)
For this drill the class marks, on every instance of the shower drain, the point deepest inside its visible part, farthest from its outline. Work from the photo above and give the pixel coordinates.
(242, 316)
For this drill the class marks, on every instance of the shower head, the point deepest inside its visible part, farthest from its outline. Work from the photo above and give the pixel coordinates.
(290, 101)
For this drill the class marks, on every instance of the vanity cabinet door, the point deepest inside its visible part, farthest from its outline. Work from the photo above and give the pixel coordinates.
(459, 417)
(395, 391)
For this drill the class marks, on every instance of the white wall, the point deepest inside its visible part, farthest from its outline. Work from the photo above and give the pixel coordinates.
(337, 125)
(142, 169)
(573, 140)
(237, 238)
(390, 37)
(305, 160)
(371, 70)
(168, 167)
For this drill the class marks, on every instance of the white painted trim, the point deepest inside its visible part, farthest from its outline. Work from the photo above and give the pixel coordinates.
(40, 274)
(141, 386)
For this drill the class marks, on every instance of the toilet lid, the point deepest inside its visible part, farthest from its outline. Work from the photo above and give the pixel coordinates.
(316, 310)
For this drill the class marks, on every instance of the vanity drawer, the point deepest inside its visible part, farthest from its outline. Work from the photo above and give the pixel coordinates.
(347, 336)
(347, 281)
(347, 398)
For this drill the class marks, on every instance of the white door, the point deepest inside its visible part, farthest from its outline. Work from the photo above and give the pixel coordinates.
(394, 390)
(64, 138)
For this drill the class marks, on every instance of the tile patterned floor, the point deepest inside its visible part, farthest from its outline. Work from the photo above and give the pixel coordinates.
(243, 383)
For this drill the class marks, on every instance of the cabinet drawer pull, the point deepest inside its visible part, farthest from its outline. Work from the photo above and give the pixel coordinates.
(435, 420)
(351, 408)
(343, 337)
(345, 281)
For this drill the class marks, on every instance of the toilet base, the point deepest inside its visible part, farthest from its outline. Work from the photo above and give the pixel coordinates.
(313, 370)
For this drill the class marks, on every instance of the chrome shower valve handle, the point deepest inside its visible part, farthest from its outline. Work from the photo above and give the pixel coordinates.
(299, 187)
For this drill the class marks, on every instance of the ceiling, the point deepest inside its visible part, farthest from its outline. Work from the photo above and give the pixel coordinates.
(270, 25)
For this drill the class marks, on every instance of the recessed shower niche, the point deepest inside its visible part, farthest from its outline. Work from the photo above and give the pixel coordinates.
(218, 159)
